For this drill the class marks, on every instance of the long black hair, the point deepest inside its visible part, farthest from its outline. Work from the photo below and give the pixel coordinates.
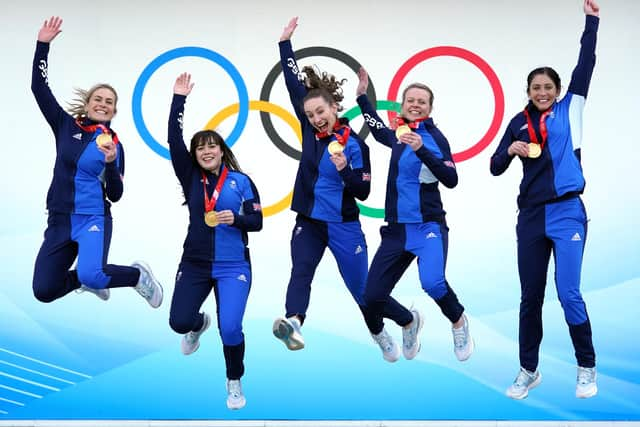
(208, 136)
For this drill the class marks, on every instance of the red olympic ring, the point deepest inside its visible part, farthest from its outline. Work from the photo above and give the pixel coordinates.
(496, 87)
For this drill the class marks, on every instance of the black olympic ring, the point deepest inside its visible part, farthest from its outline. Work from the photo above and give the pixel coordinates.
(270, 80)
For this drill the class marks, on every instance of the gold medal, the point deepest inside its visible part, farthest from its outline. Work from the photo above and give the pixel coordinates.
(401, 130)
(211, 219)
(534, 150)
(335, 148)
(103, 139)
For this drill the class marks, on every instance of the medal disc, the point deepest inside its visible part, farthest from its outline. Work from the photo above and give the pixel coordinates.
(335, 148)
(534, 150)
(211, 218)
(103, 139)
(401, 130)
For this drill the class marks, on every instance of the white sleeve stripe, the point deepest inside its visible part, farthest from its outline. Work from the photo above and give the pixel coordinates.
(576, 107)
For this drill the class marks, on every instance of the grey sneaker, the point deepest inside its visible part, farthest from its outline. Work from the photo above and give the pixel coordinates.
(586, 383)
(463, 344)
(524, 382)
(148, 287)
(235, 398)
(191, 340)
(103, 294)
(390, 350)
(288, 331)
(411, 336)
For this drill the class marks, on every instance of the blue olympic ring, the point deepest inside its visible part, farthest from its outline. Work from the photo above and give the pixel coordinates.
(136, 101)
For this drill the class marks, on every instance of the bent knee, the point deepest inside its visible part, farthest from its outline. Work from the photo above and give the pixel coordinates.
(44, 293)
(181, 325)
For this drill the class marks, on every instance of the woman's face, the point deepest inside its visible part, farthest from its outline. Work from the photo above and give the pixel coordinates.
(209, 156)
(321, 114)
(101, 106)
(542, 92)
(416, 104)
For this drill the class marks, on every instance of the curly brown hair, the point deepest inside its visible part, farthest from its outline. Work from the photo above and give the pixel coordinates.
(321, 84)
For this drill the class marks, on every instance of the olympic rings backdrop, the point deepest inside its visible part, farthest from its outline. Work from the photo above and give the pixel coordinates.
(82, 358)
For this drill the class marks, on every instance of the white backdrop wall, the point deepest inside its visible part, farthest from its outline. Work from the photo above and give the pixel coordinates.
(129, 350)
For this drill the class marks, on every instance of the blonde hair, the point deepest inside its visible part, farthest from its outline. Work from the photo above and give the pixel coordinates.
(77, 106)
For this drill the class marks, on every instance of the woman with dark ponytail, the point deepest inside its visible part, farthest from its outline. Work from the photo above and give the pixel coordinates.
(547, 136)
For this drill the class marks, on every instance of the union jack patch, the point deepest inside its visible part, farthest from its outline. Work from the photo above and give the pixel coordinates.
(366, 176)
(449, 163)
(257, 207)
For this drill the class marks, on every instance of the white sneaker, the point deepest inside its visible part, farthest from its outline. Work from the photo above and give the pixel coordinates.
(463, 344)
(586, 383)
(524, 382)
(103, 294)
(191, 340)
(411, 336)
(288, 331)
(235, 398)
(390, 350)
(148, 287)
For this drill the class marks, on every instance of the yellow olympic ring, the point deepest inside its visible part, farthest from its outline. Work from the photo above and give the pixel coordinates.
(267, 107)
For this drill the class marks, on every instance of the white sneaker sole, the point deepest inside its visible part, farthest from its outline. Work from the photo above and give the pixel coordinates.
(590, 393)
(235, 405)
(283, 330)
(533, 385)
(392, 357)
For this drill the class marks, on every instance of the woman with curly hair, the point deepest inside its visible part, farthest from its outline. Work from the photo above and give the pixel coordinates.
(333, 172)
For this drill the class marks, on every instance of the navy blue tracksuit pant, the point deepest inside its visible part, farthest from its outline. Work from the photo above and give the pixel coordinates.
(400, 244)
(231, 282)
(347, 243)
(86, 237)
(560, 227)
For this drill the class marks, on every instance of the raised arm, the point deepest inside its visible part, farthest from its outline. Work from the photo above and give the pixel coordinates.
(378, 129)
(180, 157)
(581, 76)
(290, 70)
(47, 103)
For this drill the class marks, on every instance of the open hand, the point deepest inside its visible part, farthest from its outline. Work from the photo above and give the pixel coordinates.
(289, 29)
(363, 82)
(50, 29)
(183, 84)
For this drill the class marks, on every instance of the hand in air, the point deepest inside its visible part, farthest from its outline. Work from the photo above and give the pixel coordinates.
(183, 84)
(289, 29)
(50, 29)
